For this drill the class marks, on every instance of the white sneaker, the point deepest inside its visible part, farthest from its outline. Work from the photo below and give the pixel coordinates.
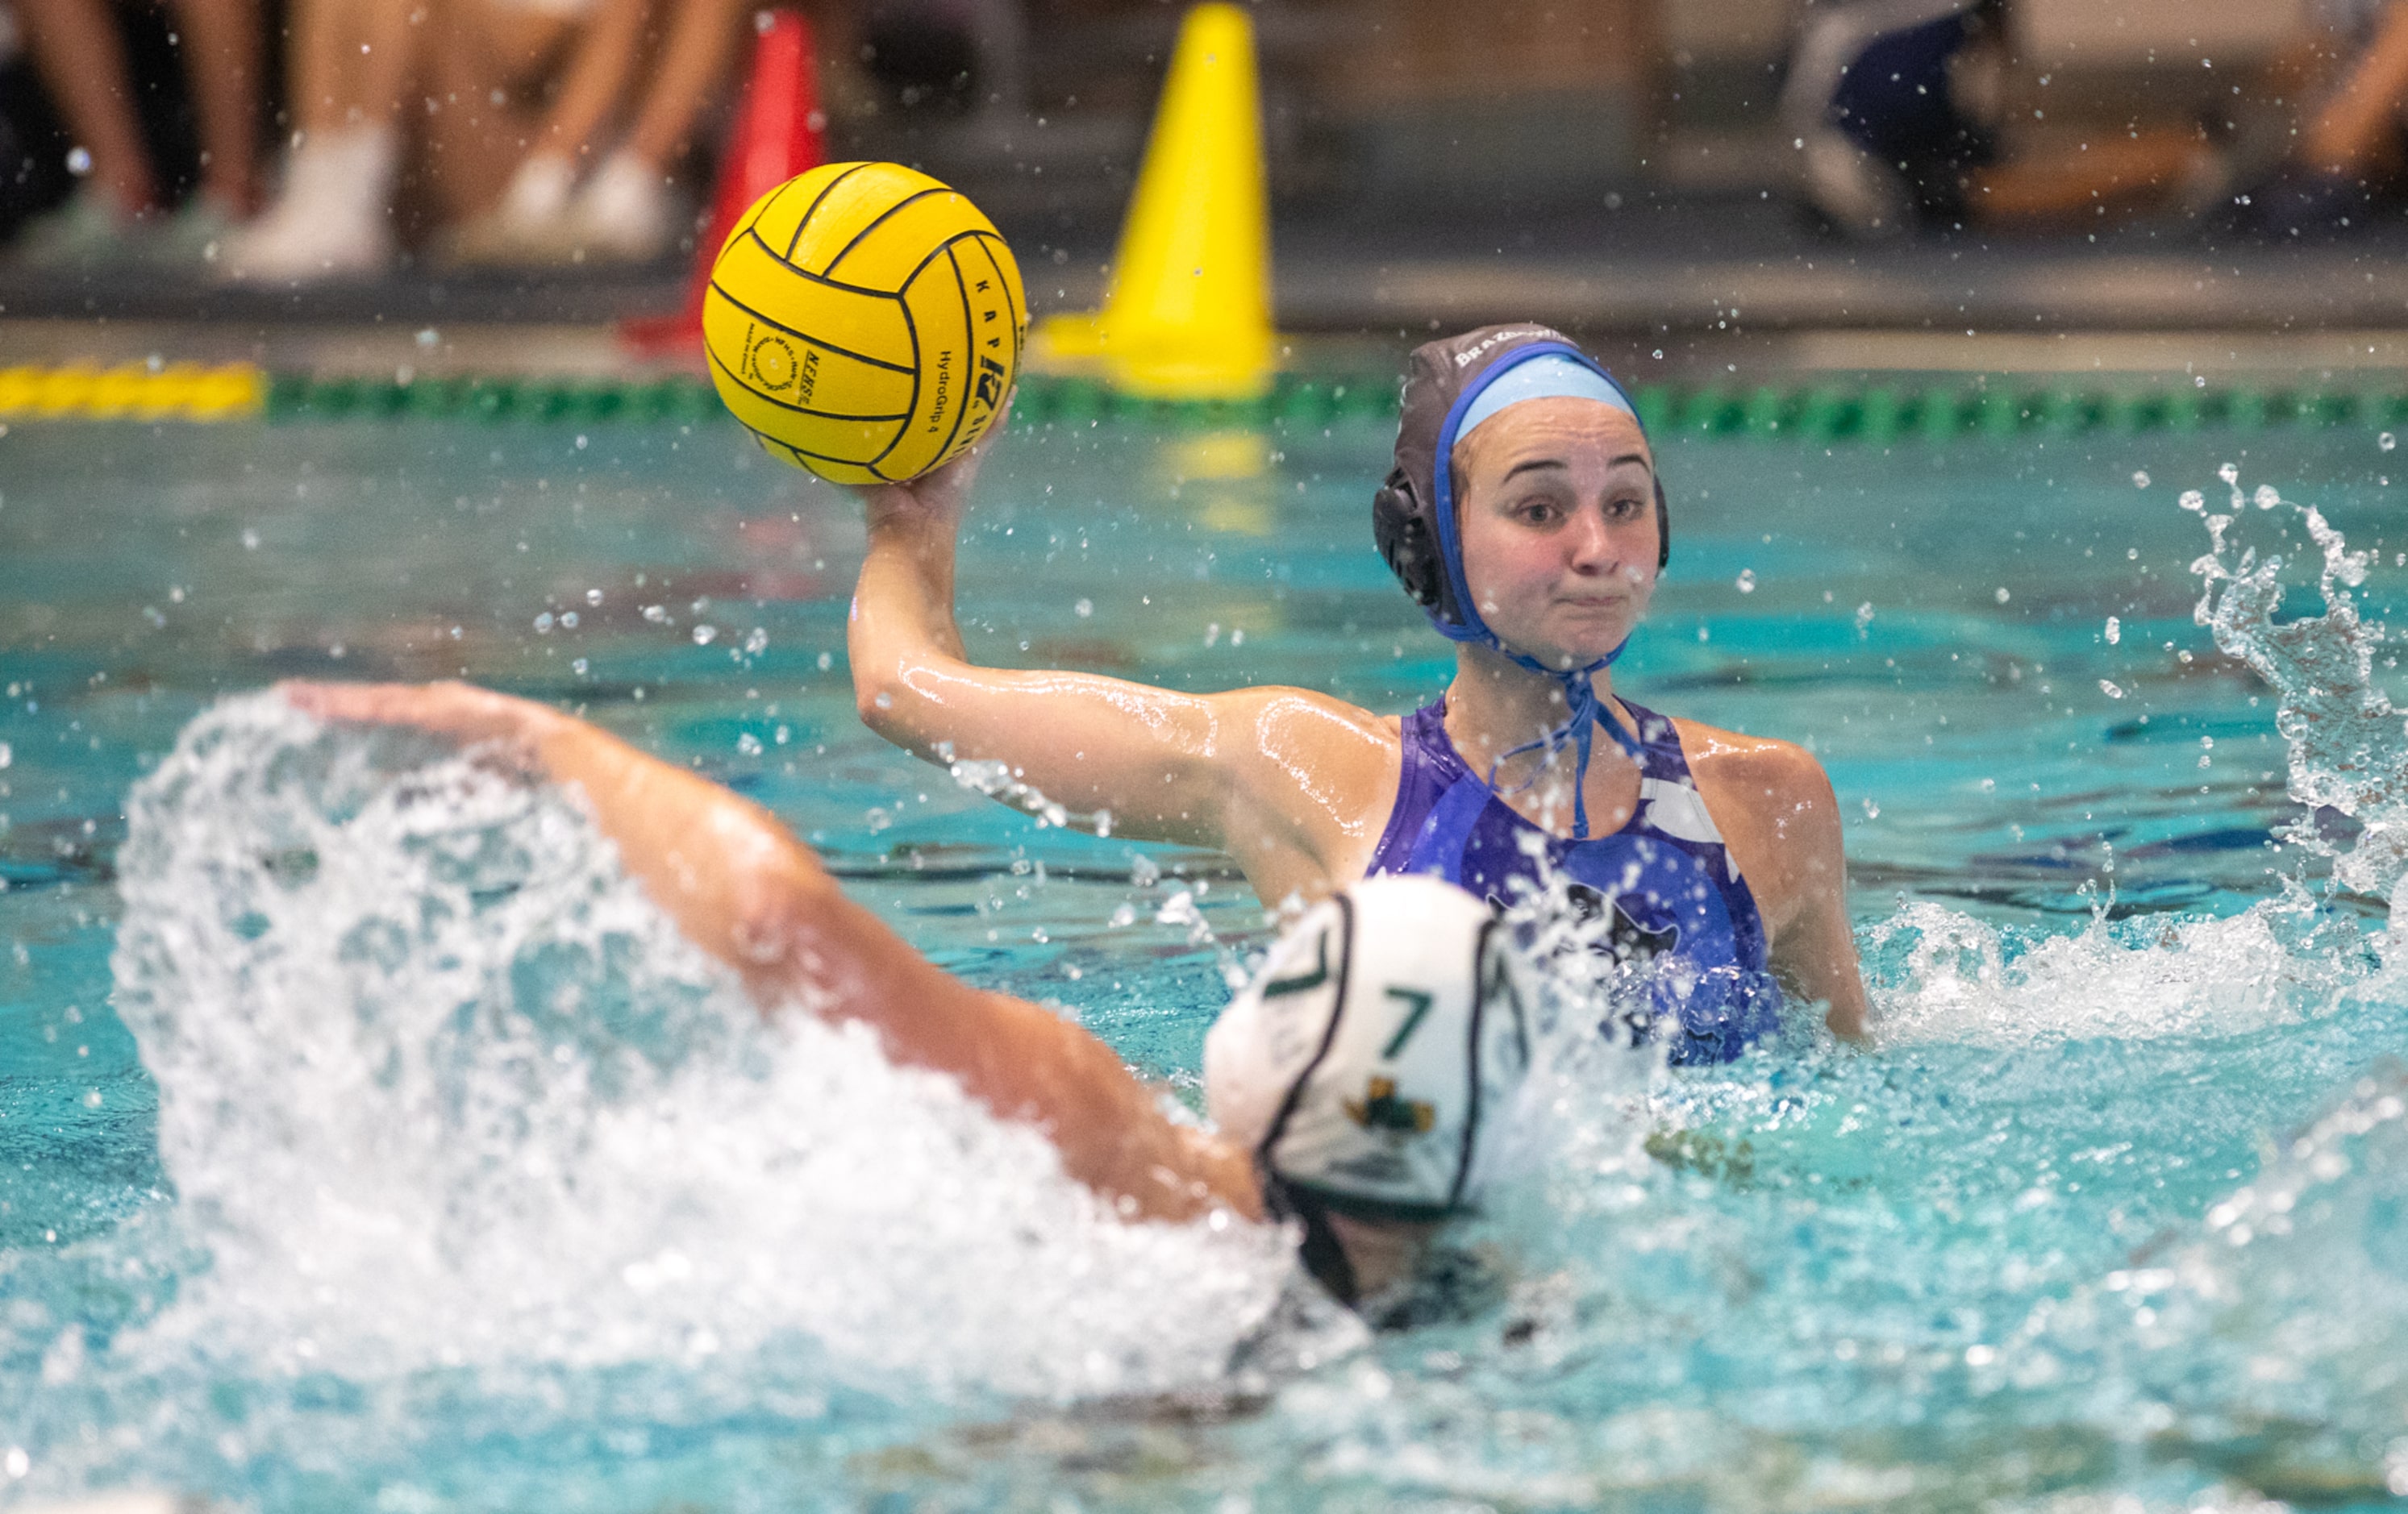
(626, 212)
(333, 218)
(539, 190)
(529, 226)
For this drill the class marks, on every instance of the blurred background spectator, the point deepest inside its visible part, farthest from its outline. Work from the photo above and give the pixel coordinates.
(2350, 72)
(1899, 111)
(126, 204)
(584, 132)
(527, 130)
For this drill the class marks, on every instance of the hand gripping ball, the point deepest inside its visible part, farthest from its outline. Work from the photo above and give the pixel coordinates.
(865, 322)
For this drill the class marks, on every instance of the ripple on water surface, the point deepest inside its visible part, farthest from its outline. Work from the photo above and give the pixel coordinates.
(449, 1176)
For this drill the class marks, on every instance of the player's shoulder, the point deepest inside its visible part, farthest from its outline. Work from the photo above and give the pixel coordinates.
(1774, 806)
(1269, 709)
(1310, 755)
(1752, 768)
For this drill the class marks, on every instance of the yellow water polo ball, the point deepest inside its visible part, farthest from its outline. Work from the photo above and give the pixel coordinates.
(865, 322)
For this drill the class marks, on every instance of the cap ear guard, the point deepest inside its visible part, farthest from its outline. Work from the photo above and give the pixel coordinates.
(1663, 529)
(1406, 540)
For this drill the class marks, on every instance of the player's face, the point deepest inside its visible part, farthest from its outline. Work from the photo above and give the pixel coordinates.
(1555, 503)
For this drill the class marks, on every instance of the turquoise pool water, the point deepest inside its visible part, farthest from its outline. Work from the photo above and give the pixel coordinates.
(364, 1142)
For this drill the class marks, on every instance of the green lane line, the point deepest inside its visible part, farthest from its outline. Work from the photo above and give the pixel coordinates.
(1814, 412)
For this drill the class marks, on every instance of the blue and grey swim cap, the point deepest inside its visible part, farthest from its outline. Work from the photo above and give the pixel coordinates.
(1451, 385)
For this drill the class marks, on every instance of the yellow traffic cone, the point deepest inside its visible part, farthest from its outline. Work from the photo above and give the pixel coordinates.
(1188, 312)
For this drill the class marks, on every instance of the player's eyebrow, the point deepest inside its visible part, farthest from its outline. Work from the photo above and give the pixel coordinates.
(1533, 464)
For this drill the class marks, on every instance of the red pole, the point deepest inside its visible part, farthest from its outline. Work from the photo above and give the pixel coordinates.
(780, 132)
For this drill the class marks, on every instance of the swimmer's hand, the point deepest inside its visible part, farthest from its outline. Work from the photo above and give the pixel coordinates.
(477, 717)
(939, 496)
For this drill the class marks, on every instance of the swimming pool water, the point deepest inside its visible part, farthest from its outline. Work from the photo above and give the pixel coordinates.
(324, 1231)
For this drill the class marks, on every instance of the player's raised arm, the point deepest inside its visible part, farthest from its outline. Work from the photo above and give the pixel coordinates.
(742, 889)
(1201, 769)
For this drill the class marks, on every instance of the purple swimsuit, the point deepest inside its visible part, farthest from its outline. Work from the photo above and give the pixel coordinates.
(1679, 904)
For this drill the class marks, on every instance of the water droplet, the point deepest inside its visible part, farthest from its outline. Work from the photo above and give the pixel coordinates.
(428, 337)
(79, 160)
(656, 614)
(593, 596)
(2141, 479)
(1083, 608)
(2386, 441)
(1747, 581)
(2001, 596)
(1873, 810)
(8, 754)
(2109, 690)
(2229, 472)
(249, 540)
(2193, 500)
(2267, 497)
(747, 744)
(826, 662)
(568, 620)
(756, 641)
(543, 623)
(2114, 629)
(579, 667)
(705, 635)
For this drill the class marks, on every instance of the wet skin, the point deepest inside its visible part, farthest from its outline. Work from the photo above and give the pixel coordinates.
(1556, 514)
(741, 888)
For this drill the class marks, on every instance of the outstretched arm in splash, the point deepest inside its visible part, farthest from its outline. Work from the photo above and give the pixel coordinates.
(745, 890)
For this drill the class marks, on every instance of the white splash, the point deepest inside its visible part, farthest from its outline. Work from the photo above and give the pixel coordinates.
(2348, 744)
(440, 1088)
(1964, 983)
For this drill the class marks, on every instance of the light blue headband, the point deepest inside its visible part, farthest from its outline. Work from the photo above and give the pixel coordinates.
(1550, 375)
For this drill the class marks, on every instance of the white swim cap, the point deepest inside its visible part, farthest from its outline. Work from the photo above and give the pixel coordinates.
(1368, 1062)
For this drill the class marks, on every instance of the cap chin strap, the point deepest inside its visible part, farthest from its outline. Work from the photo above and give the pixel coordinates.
(1580, 727)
